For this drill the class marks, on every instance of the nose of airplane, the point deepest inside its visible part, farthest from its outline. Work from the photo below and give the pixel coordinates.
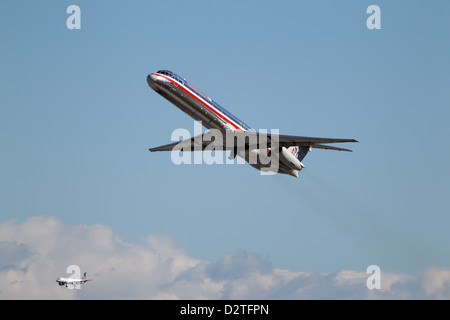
(151, 79)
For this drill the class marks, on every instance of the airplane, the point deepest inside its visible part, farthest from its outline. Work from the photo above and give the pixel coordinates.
(241, 139)
(72, 281)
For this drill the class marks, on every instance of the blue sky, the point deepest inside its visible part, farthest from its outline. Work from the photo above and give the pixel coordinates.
(77, 119)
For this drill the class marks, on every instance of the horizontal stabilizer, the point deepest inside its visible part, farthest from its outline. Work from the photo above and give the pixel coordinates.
(322, 146)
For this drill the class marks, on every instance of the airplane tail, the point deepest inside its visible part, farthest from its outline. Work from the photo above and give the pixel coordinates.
(299, 153)
(84, 276)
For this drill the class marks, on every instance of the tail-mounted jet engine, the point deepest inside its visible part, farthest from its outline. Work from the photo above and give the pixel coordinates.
(289, 159)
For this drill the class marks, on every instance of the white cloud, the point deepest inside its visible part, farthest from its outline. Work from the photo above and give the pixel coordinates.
(34, 253)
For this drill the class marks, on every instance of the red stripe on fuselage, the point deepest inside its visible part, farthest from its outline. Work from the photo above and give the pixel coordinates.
(201, 101)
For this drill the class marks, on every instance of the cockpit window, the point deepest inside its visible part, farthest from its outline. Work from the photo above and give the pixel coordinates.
(172, 75)
(165, 72)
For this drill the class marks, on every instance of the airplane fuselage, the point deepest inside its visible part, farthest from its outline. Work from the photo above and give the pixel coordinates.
(66, 281)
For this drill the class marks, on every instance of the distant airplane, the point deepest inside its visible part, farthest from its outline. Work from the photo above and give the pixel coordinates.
(240, 138)
(72, 281)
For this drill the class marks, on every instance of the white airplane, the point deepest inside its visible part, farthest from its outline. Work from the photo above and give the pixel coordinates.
(238, 137)
(72, 281)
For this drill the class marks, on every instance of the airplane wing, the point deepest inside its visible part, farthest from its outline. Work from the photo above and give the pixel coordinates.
(192, 144)
(289, 141)
(308, 141)
(248, 139)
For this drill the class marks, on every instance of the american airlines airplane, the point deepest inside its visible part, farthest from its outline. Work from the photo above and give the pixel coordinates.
(72, 281)
(263, 151)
